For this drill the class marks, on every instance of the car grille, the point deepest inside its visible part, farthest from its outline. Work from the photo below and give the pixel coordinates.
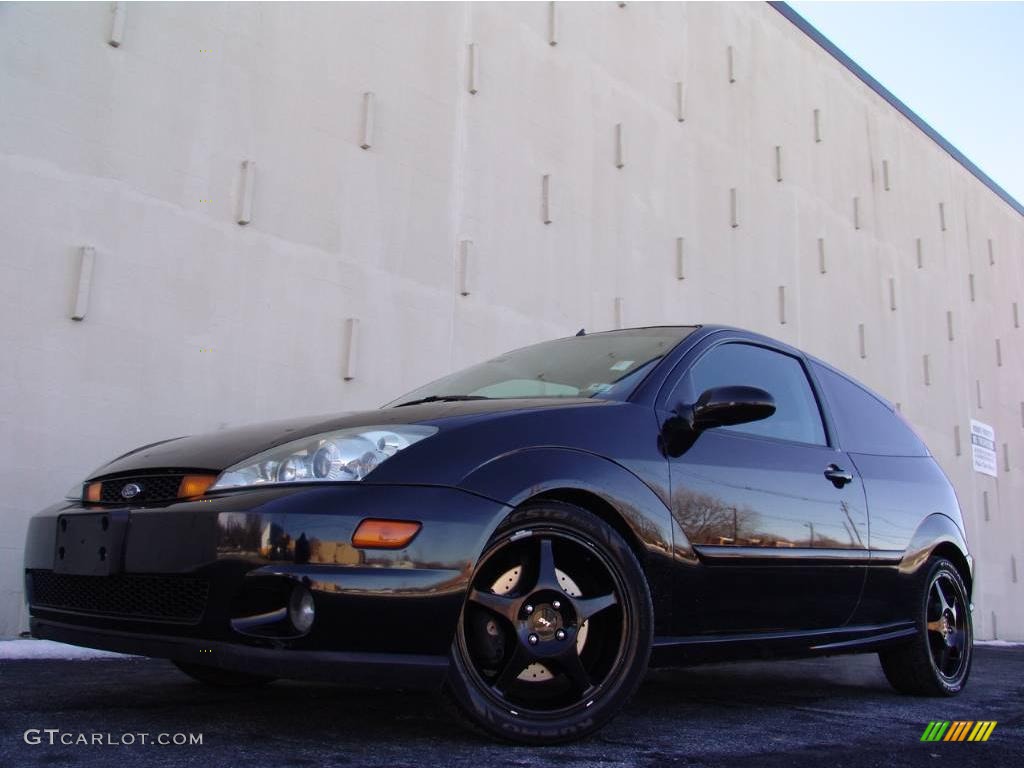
(154, 488)
(178, 599)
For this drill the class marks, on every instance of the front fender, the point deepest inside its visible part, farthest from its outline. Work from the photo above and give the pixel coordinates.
(515, 477)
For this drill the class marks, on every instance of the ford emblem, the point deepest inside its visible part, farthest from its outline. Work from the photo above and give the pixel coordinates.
(131, 490)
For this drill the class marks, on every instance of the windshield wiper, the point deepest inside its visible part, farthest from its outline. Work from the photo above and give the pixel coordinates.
(443, 399)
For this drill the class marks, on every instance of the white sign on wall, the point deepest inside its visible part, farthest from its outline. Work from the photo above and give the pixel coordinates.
(983, 448)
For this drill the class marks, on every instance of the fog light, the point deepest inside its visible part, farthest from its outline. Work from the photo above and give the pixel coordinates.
(300, 609)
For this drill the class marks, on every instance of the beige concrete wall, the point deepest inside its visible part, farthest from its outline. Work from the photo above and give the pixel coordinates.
(195, 322)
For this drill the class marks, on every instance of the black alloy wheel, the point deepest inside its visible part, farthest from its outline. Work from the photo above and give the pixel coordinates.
(556, 630)
(938, 661)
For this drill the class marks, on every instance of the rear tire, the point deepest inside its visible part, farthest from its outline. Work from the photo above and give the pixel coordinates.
(221, 678)
(937, 662)
(556, 630)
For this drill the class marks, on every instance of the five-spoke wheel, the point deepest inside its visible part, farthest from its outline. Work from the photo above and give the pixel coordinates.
(555, 632)
(938, 660)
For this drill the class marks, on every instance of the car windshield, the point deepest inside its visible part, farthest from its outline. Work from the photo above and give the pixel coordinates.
(604, 365)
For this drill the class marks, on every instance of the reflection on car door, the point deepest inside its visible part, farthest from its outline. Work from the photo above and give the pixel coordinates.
(776, 515)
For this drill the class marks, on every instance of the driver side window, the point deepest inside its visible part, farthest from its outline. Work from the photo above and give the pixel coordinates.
(797, 416)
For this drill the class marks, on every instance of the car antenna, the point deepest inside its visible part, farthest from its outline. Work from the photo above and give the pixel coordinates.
(583, 332)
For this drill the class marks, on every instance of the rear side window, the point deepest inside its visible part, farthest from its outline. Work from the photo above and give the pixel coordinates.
(866, 424)
(796, 416)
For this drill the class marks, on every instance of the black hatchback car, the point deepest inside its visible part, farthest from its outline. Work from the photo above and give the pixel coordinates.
(549, 523)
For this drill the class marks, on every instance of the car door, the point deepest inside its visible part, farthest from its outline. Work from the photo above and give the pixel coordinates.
(775, 513)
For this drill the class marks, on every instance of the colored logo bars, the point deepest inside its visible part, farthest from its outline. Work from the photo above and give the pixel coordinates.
(958, 730)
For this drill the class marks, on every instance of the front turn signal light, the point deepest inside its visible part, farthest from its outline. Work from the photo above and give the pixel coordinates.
(93, 492)
(194, 485)
(384, 534)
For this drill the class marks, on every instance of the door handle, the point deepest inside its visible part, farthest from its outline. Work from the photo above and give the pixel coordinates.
(838, 475)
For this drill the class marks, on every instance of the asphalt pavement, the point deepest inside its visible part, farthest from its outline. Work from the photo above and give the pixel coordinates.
(832, 712)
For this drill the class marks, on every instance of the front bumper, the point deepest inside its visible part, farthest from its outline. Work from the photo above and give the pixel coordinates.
(391, 670)
(373, 607)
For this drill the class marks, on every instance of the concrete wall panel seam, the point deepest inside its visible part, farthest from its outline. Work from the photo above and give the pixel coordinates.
(83, 289)
(248, 185)
(369, 118)
(117, 18)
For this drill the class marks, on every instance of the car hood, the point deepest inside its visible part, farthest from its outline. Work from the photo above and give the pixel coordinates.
(216, 451)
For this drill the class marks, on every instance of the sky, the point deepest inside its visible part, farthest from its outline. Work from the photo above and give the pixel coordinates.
(958, 65)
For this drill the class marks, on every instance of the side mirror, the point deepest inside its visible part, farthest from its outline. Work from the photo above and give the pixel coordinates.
(725, 406)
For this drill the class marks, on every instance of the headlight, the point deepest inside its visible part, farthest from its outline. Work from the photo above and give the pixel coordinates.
(76, 492)
(347, 454)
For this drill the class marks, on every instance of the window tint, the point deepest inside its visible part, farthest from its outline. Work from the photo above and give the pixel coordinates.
(796, 416)
(866, 424)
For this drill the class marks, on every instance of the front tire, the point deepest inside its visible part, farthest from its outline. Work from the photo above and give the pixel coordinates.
(937, 661)
(555, 633)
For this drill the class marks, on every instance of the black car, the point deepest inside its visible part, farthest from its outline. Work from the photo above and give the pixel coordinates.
(530, 534)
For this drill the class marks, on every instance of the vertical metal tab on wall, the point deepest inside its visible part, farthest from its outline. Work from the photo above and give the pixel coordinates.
(117, 11)
(349, 347)
(949, 324)
(942, 216)
(782, 305)
(920, 254)
(956, 440)
(552, 24)
(1016, 315)
(734, 213)
(680, 101)
(817, 126)
(369, 108)
(995, 629)
(680, 266)
(984, 504)
(991, 253)
(970, 285)
(731, 61)
(927, 371)
(620, 312)
(464, 266)
(474, 68)
(1013, 569)
(892, 294)
(778, 163)
(999, 354)
(545, 198)
(248, 181)
(1006, 457)
(856, 212)
(620, 148)
(821, 255)
(862, 341)
(86, 260)
(885, 175)
(977, 393)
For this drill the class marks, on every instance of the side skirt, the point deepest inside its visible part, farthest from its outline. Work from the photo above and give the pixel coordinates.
(675, 651)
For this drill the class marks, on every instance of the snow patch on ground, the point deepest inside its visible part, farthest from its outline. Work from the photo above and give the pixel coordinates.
(48, 649)
(999, 643)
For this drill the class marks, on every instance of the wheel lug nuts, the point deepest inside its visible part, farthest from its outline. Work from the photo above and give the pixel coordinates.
(528, 609)
(556, 605)
(533, 639)
(560, 634)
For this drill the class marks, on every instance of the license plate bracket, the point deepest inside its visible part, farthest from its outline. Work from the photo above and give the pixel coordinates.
(91, 544)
